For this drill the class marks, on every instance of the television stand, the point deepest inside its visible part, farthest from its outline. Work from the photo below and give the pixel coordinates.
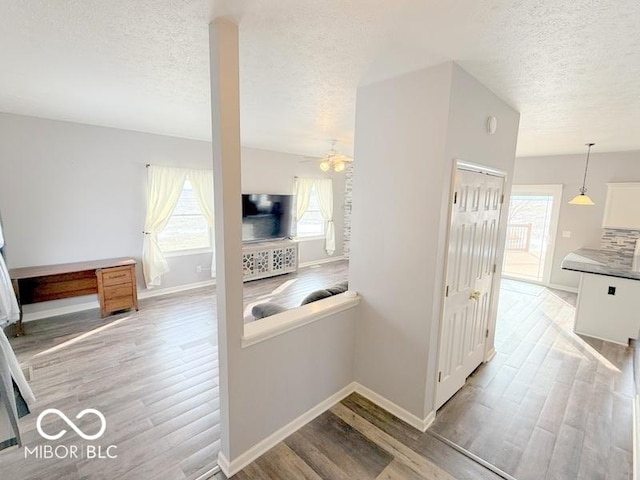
(268, 259)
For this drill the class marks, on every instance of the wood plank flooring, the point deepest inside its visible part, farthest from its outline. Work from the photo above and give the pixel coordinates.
(358, 440)
(154, 376)
(551, 404)
(152, 373)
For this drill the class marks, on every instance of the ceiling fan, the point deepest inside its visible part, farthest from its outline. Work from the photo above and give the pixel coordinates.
(333, 160)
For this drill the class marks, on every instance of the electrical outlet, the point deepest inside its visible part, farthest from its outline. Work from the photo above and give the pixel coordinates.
(199, 269)
(566, 234)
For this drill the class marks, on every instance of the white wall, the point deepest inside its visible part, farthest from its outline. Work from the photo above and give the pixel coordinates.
(72, 192)
(265, 386)
(408, 132)
(584, 223)
(400, 138)
(467, 139)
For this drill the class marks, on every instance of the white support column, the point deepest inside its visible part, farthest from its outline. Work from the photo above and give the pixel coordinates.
(225, 121)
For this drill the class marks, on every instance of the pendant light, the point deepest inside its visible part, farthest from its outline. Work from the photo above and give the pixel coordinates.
(583, 198)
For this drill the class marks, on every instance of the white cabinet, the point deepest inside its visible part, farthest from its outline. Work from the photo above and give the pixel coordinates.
(608, 308)
(267, 259)
(622, 208)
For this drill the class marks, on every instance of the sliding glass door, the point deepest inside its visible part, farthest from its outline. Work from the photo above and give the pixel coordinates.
(531, 232)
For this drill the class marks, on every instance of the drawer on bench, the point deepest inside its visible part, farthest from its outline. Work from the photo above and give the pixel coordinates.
(122, 303)
(117, 291)
(115, 276)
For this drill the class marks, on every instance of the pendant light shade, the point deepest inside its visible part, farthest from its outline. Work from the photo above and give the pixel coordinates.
(582, 198)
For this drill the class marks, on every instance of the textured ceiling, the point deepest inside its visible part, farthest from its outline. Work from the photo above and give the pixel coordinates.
(571, 67)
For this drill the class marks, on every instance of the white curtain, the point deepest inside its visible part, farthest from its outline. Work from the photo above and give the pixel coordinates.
(303, 194)
(9, 310)
(202, 183)
(164, 186)
(324, 189)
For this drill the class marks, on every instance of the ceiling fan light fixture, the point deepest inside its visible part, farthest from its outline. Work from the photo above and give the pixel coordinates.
(582, 198)
(334, 160)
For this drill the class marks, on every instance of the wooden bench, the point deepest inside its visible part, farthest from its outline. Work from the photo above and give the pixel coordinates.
(114, 280)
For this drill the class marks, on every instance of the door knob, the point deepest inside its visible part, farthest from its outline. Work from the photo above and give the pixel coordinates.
(475, 295)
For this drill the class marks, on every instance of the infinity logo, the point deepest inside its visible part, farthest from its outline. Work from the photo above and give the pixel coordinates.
(71, 424)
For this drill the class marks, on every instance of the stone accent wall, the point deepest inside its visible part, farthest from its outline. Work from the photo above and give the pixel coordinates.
(348, 198)
(623, 241)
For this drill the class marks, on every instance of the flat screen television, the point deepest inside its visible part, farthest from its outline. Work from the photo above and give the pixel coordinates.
(267, 217)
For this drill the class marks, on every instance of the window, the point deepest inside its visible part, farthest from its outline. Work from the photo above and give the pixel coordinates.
(187, 229)
(311, 224)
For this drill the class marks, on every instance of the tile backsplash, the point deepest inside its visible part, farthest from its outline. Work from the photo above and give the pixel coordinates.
(623, 241)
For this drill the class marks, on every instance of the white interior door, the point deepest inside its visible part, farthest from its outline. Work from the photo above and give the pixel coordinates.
(473, 238)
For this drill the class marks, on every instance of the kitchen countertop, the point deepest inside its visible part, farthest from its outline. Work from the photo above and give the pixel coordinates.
(603, 262)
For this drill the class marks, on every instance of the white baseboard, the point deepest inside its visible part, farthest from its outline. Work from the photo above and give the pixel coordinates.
(81, 307)
(224, 465)
(590, 335)
(421, 424)
(153, 292)
(564, 288)
(230, 468)
(321, 261)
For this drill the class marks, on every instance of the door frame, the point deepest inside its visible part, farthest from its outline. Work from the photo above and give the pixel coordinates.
(555, 189)
(489, 351)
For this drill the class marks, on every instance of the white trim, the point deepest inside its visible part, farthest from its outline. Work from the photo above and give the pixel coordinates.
(153, 292)
(244, 459)
(266, 328)
(591, 335)
(321, 261)
(555, 286)
(81, 307)
(230, 468)
(490, 355)
(564, 288)
(184, 253)
(530, 281)
(310, 238)
(396, 410)
(224, 464)
(476, 167)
